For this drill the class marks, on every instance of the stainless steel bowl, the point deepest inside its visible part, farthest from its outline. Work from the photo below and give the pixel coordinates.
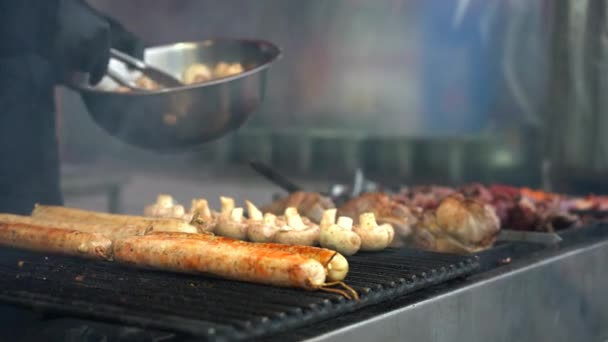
(176, 119)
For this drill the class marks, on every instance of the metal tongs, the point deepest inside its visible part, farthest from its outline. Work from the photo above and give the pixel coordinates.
(275, 177)
(338, 193)
(156, 75)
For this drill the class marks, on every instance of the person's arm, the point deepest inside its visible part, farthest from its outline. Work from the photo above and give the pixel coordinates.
(69, 33)
(26, 25)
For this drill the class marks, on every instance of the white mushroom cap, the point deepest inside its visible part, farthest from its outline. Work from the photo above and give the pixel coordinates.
(200, 206)
(329, 217)
(165, 206)
(232, 225)
(345, 222)
(165, 201)
(373, 237)
(270, 219)
(227, 204)
(263, 230)
(237, 214)
(254, 213)
(294, 220)
(178, 210)
(338, 236)
(296, 232)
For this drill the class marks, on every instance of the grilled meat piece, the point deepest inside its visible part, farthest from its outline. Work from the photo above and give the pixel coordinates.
(517, 208)
(504, 199)
(478, 192)
(588, 203)
(309, 204)
(458, 225)
(426, 197)
(526, 209)
(386, 210)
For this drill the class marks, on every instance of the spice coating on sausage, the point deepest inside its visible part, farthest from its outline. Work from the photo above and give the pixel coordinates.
(55, 240)
(223, 257)
(336, 266)
(322, 255)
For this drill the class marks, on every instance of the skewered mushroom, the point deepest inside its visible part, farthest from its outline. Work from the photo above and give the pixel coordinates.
(262, 227)
(231, 222)
(374, 237)
(202, 217)
(296, 232)
(165, 206)
(339, 237)
(386, 210)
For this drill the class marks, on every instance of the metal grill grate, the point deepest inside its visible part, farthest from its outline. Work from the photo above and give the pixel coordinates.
(209, 307)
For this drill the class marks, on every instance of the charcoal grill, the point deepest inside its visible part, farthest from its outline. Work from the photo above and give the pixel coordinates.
(213, 309)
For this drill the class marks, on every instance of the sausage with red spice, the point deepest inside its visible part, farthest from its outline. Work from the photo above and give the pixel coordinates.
(223, 257)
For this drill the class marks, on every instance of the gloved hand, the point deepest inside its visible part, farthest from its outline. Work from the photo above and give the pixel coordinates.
(82, 40)
(125, 41)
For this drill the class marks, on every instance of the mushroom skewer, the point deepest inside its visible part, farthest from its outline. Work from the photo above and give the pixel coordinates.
(338, 236)
(374, 237)
(262, 227)
(202, 217)
(165, 206)
(296, 232)
(231, 222)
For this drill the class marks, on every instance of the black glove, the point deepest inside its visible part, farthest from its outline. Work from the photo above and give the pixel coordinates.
(81, 41)
(124, 40)
(83, 37)
(69, 33)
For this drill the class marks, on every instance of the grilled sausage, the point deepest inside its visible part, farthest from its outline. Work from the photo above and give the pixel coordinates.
(223, 257)
(111, 231)
(84, 216)
(55, 240)
(335, 263)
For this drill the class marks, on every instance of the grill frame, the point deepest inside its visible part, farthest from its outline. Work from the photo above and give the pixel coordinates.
(117, 294)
